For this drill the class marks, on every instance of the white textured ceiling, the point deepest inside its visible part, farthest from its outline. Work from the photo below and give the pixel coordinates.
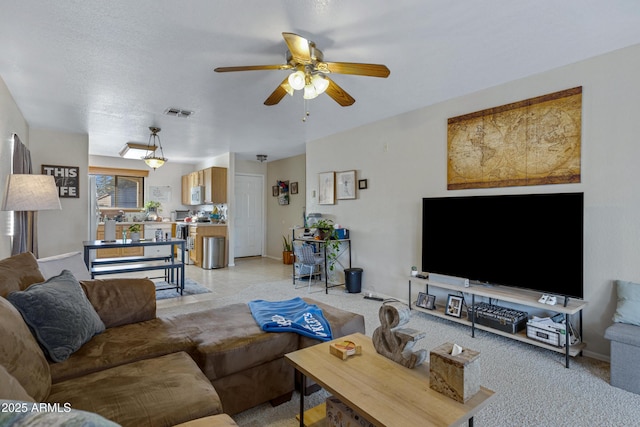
(111, 68)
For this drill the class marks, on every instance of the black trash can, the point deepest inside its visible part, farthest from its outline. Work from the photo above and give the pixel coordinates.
(353, 280)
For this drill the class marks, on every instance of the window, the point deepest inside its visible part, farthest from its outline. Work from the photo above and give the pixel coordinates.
(119, 188)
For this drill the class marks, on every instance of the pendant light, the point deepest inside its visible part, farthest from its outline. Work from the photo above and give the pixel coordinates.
(151, 159)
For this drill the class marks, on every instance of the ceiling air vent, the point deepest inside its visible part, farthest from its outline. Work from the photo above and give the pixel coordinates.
(178, 112)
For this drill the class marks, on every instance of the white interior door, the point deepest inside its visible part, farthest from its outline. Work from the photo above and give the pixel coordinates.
(249, 217)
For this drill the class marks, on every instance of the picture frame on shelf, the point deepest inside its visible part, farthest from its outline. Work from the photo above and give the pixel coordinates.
(454, 306)
(430, 302)
(346, 185)
(426, 301)
(327, 188)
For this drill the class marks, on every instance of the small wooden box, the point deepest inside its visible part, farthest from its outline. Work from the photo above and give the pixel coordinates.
(344, 349)
(455, 376)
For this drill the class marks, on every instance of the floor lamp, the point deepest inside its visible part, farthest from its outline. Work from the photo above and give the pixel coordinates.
(31, 193)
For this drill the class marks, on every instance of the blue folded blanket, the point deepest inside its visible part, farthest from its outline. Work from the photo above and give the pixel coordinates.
(293, 315)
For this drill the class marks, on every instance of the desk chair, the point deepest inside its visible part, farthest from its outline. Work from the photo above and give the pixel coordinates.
(307, 259)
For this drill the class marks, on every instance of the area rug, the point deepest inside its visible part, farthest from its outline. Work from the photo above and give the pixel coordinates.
(533, 388)
(190, 288)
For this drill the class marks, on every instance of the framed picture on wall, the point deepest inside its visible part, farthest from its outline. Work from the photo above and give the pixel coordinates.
(327, 188)
(275, 191)
(294, 187)
(346, 185)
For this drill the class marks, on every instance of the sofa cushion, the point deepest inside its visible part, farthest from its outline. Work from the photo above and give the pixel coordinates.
(72, 261)
(20, 353)
(121, 301)
(229, 340)
(122, 345)
(26, 417)
(59, 314)
(18, 272)
(162, 391)
(11, 389)
(628, 308)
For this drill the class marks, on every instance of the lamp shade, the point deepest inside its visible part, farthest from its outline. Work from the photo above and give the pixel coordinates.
(30, 193)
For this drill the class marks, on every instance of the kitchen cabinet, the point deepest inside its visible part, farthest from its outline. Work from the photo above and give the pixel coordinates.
(214, 181)
(198, 231)
(215, 185)
(117, 252)
(186, 190)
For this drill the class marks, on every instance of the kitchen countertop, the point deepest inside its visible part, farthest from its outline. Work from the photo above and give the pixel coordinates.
(204, 224)
(160, 223)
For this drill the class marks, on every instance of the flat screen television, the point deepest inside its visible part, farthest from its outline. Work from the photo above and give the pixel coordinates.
(532, 241)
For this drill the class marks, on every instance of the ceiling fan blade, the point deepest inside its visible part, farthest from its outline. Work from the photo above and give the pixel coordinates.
(253, 68)
(372, 70)
(277, 95)
(338, 94)
(299, 47)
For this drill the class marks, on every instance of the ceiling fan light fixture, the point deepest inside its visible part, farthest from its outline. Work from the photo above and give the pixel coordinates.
(151, 159)
(310, 92)
(320, 83)
(297, 80)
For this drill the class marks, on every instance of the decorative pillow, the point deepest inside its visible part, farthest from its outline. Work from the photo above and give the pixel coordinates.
(19, 413)
(72, 261)
(18, 272)
(58, 314)
(628, 310)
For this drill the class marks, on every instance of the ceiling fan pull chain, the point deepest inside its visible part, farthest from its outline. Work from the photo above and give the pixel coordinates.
(306, 111)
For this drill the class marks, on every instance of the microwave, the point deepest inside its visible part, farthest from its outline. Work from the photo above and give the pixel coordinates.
(197, 195)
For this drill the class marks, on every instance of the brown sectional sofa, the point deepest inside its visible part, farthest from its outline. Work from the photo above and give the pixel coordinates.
(149, 370)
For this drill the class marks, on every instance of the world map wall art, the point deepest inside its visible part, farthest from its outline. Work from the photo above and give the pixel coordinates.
(532, 142)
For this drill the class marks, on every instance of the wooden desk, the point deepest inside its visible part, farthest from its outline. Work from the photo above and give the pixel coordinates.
(383, 392)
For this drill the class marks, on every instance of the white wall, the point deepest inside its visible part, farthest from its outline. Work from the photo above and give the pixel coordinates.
(64, 230)
(11, 121)
(281, 218)
(404, 160)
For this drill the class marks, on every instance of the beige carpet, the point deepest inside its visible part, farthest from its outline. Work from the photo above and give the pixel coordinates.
(533, 388)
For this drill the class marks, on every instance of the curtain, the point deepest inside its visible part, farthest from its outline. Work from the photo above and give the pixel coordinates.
(25, 233)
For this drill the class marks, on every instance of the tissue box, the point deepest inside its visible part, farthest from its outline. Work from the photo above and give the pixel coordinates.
(455, 376)
(340, 415)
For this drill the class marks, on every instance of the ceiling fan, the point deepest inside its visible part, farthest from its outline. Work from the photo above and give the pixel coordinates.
(310, 72)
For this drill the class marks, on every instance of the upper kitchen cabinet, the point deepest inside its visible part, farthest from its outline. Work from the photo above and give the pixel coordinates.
(215, 185)
(214, 181)
(186, 190)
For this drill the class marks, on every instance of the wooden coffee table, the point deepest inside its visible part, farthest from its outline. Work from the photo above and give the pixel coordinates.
(381, 390)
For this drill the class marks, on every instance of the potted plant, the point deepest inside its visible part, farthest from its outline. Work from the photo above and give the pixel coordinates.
(326, 232)
(151, 208)
(414, 270)
(287, 250)
(134, 232)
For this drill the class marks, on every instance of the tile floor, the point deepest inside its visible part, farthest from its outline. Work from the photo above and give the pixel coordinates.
(228, 280)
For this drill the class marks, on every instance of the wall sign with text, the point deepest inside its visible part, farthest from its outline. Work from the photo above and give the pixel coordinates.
(66, 177)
